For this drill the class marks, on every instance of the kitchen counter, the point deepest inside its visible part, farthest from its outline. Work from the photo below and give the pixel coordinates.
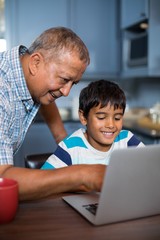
(133, 125)
(139, 123)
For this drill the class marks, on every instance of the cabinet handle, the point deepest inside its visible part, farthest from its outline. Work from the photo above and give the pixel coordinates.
(142, 15)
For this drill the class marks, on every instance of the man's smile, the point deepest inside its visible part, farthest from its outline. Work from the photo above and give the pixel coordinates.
(53, 95)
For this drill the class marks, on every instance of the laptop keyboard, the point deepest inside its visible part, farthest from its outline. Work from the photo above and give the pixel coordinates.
(91, 208)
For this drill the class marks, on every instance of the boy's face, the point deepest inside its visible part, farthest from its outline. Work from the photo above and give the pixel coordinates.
(103, 126)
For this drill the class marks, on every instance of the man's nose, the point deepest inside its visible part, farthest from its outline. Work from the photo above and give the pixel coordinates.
(65, 90)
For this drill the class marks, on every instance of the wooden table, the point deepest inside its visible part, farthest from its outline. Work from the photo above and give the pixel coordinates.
(53, 219)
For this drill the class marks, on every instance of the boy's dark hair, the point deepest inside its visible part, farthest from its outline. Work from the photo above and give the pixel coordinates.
(101, 92)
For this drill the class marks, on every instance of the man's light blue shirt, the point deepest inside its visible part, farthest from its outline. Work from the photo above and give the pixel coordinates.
(17, 108)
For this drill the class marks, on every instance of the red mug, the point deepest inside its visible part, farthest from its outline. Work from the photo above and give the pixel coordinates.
(8, 199)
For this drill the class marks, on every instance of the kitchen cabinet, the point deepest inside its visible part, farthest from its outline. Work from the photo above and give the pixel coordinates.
(151, 68)
(133, 12)
(25, 20)
(95, 21)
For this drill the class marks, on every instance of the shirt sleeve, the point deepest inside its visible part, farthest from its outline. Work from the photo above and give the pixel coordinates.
(6, 149)
(60, 158)
(134, 140)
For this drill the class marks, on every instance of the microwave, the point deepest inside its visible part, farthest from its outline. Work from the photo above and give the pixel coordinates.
(137, 50)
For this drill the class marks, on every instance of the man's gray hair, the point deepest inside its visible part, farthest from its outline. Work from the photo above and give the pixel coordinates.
(55, 42)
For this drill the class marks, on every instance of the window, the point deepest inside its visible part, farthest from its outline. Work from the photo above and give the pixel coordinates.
(2, 27)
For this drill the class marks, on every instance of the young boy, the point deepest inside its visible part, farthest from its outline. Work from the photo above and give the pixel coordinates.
(101, 108)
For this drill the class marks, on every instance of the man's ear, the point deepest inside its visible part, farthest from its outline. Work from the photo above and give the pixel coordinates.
(34, 62)
(82, 119)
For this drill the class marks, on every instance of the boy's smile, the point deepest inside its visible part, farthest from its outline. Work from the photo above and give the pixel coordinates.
(103, 125)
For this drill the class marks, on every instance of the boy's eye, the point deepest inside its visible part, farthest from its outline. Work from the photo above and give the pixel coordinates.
(100, 117)
(117, 118)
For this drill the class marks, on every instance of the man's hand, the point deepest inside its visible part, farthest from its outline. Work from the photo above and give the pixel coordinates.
(92, 177)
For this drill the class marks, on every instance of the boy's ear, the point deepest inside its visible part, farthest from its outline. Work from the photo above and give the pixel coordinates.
(82, 119)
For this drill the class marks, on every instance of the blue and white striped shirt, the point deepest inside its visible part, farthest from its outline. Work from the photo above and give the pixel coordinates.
(17, 108)
(75, 149)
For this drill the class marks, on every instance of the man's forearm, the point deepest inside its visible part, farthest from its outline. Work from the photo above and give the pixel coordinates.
(52, 117)
(36, 184)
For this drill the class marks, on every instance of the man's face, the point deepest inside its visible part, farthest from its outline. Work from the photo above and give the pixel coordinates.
(55, 79)
(103, 126)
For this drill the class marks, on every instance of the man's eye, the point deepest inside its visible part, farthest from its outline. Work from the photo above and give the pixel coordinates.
(65, 80)
(74, 83)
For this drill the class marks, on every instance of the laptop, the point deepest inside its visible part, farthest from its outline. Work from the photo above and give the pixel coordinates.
(131, 188)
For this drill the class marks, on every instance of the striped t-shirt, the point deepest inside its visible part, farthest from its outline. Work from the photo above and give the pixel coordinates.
(75, 149)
